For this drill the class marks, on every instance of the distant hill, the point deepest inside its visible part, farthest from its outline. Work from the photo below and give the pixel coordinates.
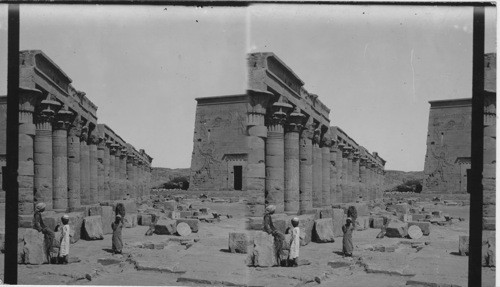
(394, 178)
(162, 175)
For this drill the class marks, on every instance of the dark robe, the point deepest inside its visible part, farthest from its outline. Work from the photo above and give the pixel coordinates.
(117, 237)
(48, 234)
(347, 246)
(279, 238)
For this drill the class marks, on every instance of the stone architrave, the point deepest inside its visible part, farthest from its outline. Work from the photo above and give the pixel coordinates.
(333, 173)
(74, 133)
(60, 162)
(326, 143)
(100, 169)
(292, 165)
(306, 169)
(317, 190)
(43, 152)
(84, 168)
(257, 134)
(93, 139)
(27, 100)
(275, 158)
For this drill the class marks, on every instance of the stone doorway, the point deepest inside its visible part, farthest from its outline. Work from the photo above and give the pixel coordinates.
(238, 177)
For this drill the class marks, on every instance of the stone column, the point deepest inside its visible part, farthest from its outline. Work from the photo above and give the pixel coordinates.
(333, 173)
(292, 163)
(118, 187)
(43, 152)
(105, 164)
(363, 177)
(317, 170)
(93, 168)
(140, 179)
(371, 189)
(306, 169)
(27, 100)
(84, 168)
(326, 143)
(347, 163)
(101, 145)
(74, 185)
(340, 171)
(112, 175)
(275, 158)
(257, 133)
(130, 175)
(355, 176)
(123, 172)
(60, 162)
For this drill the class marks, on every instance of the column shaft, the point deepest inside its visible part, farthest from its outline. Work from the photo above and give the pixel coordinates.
(100, 171)
(43, 163)
(130, 176)
(84, 169)
(355, 179)
(292, 172)
(306, 170)
(333, 175)
(317, 175)
(105, 163)
(325, 157)
(362, 178)
(93, 170)
(275, 172)
(345, 179)
(74, 201)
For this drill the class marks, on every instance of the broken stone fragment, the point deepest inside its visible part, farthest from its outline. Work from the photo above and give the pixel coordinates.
(193, 223)
(165, 227)
(323, 230)
(92, 227)
(414, 232)
(396, 228)
(238, 242)
(463, 245)
(261, 251)
(130, 220)
(424, 226)
(31, 248)
(183, 229)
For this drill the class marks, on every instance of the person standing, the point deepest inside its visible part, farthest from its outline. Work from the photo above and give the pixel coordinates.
(294, 243)
(117, 243)
(64, 243)
(347, 246)
(40, 226)
(279, 238)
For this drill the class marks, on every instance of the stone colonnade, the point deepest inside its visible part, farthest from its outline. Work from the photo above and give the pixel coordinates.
(299, 165)
(67, 162)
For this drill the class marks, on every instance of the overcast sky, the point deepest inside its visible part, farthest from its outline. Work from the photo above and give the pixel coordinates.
(376, 67)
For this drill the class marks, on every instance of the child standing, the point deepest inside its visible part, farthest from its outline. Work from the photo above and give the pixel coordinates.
(64, 243)
(347, 246)
(294, 243)
(117, 235)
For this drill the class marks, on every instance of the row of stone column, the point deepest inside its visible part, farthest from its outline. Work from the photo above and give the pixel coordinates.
(301, 168)
(63, 167)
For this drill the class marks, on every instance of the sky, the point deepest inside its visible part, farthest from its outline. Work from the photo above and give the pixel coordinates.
(376, 67)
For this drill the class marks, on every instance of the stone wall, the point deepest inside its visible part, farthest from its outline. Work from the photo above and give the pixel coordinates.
(448, 146)
(219, 143)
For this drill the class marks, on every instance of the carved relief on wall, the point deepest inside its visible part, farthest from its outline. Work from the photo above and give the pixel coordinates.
(440, 163)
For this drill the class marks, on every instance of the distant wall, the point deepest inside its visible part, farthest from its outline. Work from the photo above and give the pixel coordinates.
(448, 146)
(219, 142)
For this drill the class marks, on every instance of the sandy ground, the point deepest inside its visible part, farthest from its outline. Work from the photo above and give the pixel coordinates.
(203, 259)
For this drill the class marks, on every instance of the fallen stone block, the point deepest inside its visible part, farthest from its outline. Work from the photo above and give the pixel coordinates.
(31, 249)
(108, 261)
(107, 218)
(92, 210)
(488, 249)
(424, 226)
(323, 230)
(129, 204)
(165, 227)
(186, 214)
(92, 227)
(362, 223)
(402, 208)
(450, 203)
(261, 252)
(325, 213)
(204, 210)
(174, 214)
(376, 222)
(182, 207)
(437, 214)
(418, 217)
(396, 228)
(306, 225)
(338, 221)
(405, 217)
(414, 232)
(239, 242)
(193, 223)
(255, 223)
(130, 220)
(144, 219)
(170, 205)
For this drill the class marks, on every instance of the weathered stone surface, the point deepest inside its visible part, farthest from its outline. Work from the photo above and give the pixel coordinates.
(488, 249)
(362, 222)
(376, 222)
(170, 205)
(414, 232)
(463, 245)
(166, 227)
(323, 230)
(130, 205)
(144, 219)
(92, 210)
(402, 208)
(306, 225)
(239, 242)
(31, 247)
(186, 214)
(418, 217)
(130, 220)
(183, 229)
(338, 221)
(107, 218)
(424, 226)
(92, 228)
(396, 228)
(261, 252)
(193, 223)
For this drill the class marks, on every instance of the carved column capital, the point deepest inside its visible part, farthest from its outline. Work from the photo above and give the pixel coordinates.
(317, 136)
(279, 113)
(124, 152)
(62, 119)
(326, 141)
(93, 139)
(28, 98)
(347, 152)
(113, 148)
(46, 111)
(295, 121)
(258, 101)
(355, 155)
(75, 126)
(84, 134)
(363, 161)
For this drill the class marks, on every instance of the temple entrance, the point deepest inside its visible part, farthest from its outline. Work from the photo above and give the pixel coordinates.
(238, 177)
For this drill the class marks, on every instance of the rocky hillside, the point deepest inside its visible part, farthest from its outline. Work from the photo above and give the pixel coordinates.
(162, 175)
(394, 178)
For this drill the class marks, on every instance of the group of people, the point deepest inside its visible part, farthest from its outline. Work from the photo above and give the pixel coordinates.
(57, 249)
(281, 242)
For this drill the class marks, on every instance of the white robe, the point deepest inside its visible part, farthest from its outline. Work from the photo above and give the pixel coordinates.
(295, 244)
(64, 249)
